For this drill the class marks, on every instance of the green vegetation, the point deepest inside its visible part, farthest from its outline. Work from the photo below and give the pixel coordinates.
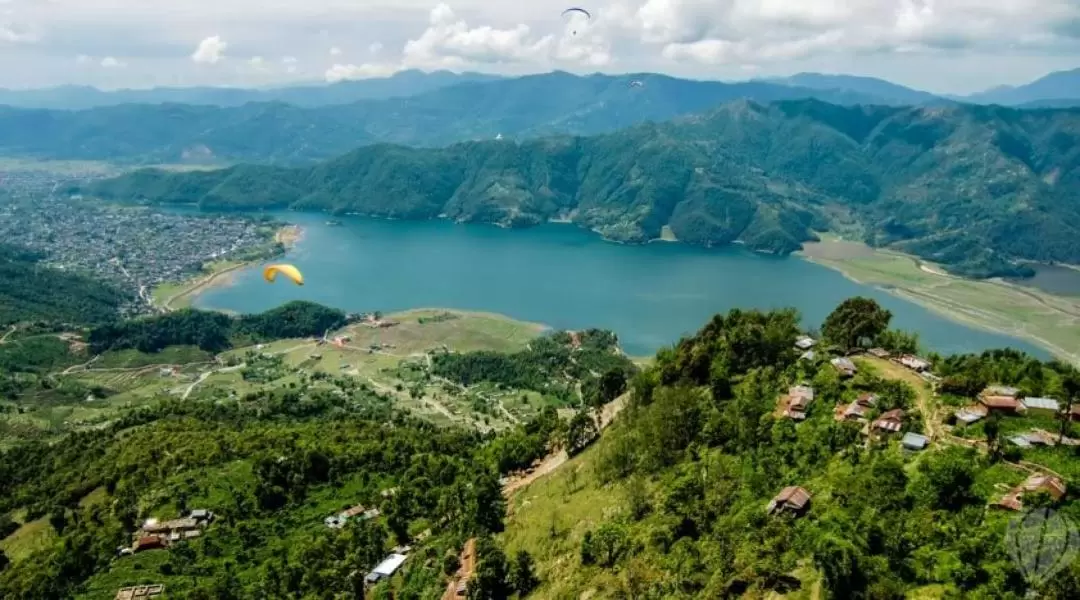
(550, 365)
(213, 331)
(1046, 319)
(974, 188)
(276, 132)
(669, 502)
(672, 502)
(32, 292)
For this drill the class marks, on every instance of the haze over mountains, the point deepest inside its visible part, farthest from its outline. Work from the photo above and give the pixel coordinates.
(276, 132)
(973, 187)
(404, 83)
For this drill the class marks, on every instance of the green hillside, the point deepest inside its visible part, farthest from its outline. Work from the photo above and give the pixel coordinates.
(31, 292)
(277, 132)
(672, 502)
(971, 187)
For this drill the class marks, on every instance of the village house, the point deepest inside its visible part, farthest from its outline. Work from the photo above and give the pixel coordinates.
(809, 355)
(970, 414)
(795, 404)
(1002, 404)
(878, 352)
(1045, 406)
(339, 520)
(1000, 390)
(914, 441)
(804, 342)
(914, 362)
(149, 542)
(1051, 484)
(793, 500)
(386, 568)
(844, 366)
(890, 422)
(858, 410)
(140, 592)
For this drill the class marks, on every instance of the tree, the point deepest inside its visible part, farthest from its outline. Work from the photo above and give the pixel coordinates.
(490, 580)
(855, 322)
(522, 578)
(1070, 384)
(612, 384)
(580, 432)
(992, 429)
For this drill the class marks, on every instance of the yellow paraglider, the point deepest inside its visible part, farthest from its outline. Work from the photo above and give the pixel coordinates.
(271, 271)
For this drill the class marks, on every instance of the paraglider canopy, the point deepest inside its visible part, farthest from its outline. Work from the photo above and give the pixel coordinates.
(271, 272)
(636, 83)
(577, 13)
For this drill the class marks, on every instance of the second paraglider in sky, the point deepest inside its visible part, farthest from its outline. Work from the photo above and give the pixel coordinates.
(576, 15)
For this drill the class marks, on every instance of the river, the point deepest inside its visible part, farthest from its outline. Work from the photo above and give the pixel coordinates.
(564, 277)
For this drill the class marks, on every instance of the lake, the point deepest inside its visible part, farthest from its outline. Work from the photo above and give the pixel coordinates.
(564, 277)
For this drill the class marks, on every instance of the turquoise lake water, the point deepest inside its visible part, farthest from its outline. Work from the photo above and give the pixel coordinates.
(564, 277)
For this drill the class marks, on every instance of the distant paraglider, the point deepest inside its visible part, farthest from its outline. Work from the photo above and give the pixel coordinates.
(582, 11)
(635, 83)
(271, 272)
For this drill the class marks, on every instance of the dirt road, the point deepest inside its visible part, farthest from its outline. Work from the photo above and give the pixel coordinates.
(465, 572)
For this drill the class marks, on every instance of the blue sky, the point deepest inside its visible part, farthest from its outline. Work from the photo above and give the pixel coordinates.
(953, 46)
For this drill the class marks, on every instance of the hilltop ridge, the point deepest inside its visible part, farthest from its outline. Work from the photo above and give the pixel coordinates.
(976, 188)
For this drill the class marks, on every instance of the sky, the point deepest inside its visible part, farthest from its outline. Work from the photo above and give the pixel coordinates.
(944, 46)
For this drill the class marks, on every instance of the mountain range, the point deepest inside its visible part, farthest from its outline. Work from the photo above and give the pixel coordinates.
(975, 188)
(403, 83)
(277, 132)
(1057, 89)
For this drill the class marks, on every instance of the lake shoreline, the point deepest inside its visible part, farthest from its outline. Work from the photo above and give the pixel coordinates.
(947, 295)
(190, 290)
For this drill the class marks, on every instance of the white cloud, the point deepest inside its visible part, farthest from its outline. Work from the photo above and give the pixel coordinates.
(335, 51)
(338, 73)
(931, 43)
(741, 31)
(110, 62)
(15, 34)
(449, 42)
(210, 50)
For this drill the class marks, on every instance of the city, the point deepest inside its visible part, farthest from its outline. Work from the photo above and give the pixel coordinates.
(133, 248)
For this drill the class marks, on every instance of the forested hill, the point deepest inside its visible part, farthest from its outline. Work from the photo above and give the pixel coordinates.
(31, 292)
(286, 133)
(972, 187)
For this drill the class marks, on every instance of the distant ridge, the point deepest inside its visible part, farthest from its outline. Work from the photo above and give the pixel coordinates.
(403, 83)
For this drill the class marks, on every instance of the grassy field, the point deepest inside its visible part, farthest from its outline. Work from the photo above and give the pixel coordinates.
(177, 295)
(1052, 322)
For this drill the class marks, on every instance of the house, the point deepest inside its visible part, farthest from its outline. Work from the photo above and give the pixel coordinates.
(1051, 484)
(914, 441)
(804, 342)
(149, 542)
(201, 516)
(1004, 404)
(858, 409)
(914, 362)
(140, 592)
(844, 366)
(890, 422)
(970, 414)
(796, 402)
(1042, 405)
(793, 499)
(386, 568)
(152, 526)
(1000, 390)
(809, 355)
(878, 352)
